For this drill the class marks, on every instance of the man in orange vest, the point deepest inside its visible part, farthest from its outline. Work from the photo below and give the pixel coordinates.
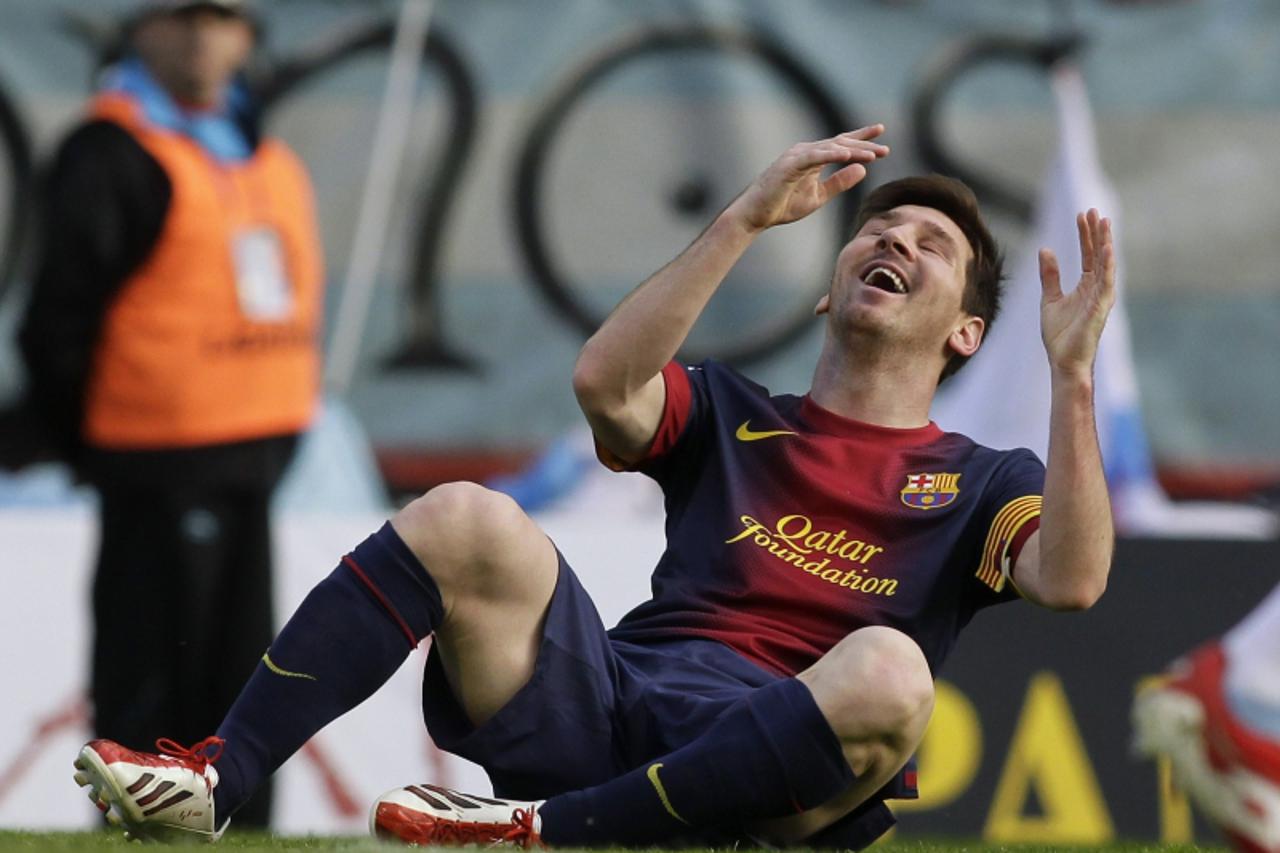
(171, 347)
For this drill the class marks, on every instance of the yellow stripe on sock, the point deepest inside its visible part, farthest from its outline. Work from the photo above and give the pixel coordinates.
(652, 773)
(266, 658)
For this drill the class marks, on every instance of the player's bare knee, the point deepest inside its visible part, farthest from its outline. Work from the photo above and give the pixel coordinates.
(875, 684)
(458, 531)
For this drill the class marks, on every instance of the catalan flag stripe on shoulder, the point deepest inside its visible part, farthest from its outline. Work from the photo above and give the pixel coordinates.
(1004, 528)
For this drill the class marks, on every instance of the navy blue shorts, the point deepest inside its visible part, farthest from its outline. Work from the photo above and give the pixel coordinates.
(594, 708)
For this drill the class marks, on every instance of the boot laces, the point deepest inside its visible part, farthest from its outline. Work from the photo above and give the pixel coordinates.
(200, 755)
(520, 832)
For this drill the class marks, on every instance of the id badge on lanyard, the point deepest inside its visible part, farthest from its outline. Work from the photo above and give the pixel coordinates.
(261, 282)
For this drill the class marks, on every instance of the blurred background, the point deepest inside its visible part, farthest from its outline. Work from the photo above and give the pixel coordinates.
(462, 364)
(482, 210)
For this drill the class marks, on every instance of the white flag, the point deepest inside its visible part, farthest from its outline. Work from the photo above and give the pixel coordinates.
(1001, 398)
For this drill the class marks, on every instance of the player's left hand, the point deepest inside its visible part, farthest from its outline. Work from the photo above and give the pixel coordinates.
(1071, 324)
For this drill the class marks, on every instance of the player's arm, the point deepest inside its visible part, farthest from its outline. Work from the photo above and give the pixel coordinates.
(618, 378)
(1065, 563)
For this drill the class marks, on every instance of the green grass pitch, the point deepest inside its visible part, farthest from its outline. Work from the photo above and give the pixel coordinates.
(75, 842)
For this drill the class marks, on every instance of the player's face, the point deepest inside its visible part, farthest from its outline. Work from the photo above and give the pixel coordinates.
(196, 52)
(903, 274)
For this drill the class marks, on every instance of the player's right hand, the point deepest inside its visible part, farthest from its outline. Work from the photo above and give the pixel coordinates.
(793, 186)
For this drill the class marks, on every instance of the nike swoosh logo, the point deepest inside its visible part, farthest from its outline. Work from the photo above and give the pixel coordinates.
(652, 773)
(271, 665)
(745, 433)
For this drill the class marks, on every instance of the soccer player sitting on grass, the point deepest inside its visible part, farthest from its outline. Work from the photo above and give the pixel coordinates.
(823, 553)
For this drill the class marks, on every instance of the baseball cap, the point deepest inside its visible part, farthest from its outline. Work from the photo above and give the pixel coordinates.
(164, 7)
(239, 8)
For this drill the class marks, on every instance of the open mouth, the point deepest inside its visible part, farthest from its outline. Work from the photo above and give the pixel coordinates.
(886, 279)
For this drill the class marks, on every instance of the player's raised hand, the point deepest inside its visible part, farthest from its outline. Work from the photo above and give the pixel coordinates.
(793, 186)
(1071, 324)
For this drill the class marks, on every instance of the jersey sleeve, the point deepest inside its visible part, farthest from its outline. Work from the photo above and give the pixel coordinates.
(1009, 515)
(684, 404)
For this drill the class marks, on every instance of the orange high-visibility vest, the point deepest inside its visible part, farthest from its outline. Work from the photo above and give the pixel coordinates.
(214, 338)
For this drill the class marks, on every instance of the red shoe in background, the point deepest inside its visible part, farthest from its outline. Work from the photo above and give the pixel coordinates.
(1229, 770)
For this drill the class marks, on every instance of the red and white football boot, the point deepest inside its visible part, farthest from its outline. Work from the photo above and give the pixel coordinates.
(163, 797)
(432, 816)
(1230, 771)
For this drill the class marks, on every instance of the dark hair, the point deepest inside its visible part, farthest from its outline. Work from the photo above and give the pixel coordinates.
(957, 202)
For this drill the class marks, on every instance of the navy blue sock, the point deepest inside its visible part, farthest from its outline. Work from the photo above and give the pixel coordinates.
(772, 754)
(344, 641)
(856, 830)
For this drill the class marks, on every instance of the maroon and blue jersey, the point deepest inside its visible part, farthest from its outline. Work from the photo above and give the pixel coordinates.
(789, 526)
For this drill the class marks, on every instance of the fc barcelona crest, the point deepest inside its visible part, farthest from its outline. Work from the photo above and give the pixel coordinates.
(930, 491)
